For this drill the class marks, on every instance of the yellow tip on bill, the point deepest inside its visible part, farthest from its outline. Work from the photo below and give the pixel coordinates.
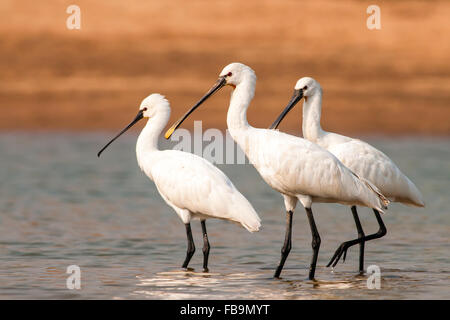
(169, 132)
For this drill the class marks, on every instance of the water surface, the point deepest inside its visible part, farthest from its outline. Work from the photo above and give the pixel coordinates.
(62, 206)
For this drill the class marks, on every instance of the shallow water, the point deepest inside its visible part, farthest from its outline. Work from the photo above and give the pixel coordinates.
(62, 206)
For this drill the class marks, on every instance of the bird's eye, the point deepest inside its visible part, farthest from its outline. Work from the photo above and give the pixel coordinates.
(145, 109)
(229, 74)
(305, 87)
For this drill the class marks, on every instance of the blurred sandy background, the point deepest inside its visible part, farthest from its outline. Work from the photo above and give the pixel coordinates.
(392, 81)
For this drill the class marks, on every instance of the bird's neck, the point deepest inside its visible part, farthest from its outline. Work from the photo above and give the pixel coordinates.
(312, 108)
(240, 100)
(147, 141)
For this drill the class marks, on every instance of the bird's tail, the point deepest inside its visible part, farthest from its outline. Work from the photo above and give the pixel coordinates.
(413, 196)
(246, 215)
(252, 226)
(376, 199)
(251, 221)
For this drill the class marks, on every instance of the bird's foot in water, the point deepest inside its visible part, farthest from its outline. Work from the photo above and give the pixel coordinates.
(188, 269)
(342, 250)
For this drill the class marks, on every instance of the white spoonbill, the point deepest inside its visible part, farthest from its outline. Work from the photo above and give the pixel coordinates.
(359, 156)
(297, 168)
(189, 184)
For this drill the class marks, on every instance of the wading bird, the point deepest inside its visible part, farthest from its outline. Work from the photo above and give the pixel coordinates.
(189, 184)
(297, 168)
(360, 157)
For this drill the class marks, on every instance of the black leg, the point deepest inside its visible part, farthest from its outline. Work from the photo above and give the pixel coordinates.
(345, 245)
(206, 247)
(190, 247)
(287, 244)
(360, 236)
(315, 243)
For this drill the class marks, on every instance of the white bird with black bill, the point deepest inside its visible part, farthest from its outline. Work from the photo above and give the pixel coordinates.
(360, 157)
(191, 185)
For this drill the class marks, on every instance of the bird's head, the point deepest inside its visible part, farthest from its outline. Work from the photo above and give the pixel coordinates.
(155, 104)
(308, 87)
(304, 88)
(232, 75)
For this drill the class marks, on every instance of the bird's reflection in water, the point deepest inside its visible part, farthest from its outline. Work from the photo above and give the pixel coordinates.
(179, 284)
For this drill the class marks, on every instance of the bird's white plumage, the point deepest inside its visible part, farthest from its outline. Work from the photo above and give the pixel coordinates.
(191, 185)
(359, 156)
(298, 168)
(295, 167)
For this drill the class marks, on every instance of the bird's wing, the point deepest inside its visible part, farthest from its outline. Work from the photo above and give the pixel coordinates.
(293, 165)
(193, 183)
(375, 166)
